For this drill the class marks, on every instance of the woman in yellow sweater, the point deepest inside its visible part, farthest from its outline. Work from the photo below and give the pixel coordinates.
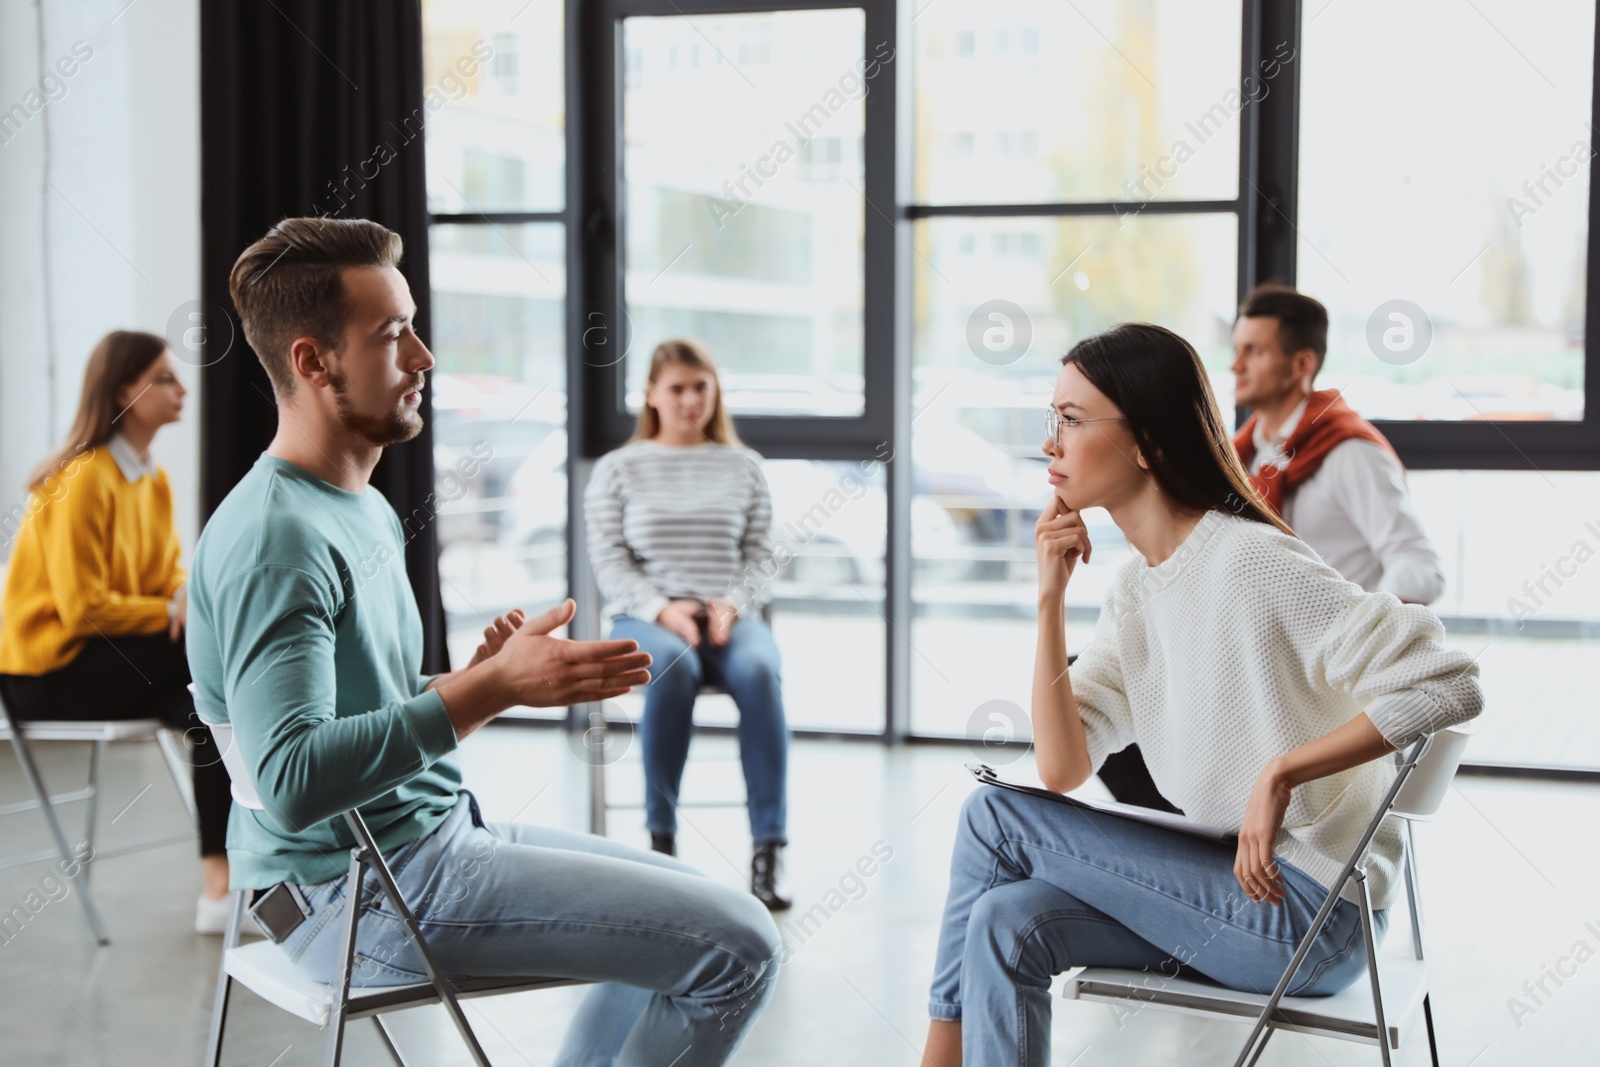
(93, 618)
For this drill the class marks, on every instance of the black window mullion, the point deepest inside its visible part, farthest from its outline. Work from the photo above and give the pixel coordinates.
(1075, 207)
(1270, 147)
(1268, 153)
(599, 329)
(579, 87)
(496, 217)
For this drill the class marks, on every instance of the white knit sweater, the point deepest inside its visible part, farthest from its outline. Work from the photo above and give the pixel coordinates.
(1244, 645)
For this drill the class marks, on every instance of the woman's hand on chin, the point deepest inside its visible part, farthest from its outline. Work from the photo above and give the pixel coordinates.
(1253, 865)
(1060, 539)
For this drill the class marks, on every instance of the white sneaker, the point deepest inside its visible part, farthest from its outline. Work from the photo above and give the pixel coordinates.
(211, 917)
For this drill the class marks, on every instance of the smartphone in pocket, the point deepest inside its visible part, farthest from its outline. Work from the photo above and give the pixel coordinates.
(279, 911)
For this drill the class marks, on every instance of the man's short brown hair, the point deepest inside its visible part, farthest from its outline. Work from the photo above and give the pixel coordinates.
(289, 284)
(1302, 321)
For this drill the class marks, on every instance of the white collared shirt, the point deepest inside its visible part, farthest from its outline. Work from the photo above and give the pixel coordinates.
(1356, 513)
(128, 462)
(133, 468)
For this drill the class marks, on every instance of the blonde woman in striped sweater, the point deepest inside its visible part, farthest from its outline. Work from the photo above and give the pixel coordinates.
(678, 519)
(92, 624)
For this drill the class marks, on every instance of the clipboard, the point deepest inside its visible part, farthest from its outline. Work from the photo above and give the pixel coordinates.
(986, 775)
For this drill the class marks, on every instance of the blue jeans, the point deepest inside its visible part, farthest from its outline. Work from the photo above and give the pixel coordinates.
(748, 668)
(1038, 887)
(686, 965)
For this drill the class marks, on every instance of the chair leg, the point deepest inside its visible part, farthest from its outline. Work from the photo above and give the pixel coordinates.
(1371, 942)
(347, 953)
(1413, 890)
(176, 756)
(387, 1041)
(594, 750)
(91, 804)
(441, 985)
(1260, 1048)
(219, 1008)
(219, 1018)
(1248, 1053)
(1427, 1017)
(30, 771)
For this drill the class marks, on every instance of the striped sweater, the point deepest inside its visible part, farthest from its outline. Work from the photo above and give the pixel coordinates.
(666, 522)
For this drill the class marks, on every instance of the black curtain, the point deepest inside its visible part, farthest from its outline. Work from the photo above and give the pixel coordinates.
(312, 108)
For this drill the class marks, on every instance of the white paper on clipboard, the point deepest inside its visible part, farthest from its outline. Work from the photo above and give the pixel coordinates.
(986, 775)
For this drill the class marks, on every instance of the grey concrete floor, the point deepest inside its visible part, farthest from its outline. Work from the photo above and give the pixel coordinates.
(1509, 877)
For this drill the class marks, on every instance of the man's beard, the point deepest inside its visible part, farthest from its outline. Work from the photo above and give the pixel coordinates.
(391, 429)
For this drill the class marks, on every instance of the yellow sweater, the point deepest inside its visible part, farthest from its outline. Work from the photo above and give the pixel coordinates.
(96, 556)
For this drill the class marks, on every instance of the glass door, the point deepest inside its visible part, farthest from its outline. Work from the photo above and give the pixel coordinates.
(743, 226)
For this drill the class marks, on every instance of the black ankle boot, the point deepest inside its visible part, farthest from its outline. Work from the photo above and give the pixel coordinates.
(764, 876)
(666, 843)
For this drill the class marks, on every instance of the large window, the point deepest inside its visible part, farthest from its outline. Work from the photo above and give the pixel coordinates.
(1142, 114)
(1522, 597)
(744, 216)
(828, 617)
(743, 170)
(1444, 210)
(1037, 101)
(499, 143)
(889, 221)
(496, 156)
(1443, 218)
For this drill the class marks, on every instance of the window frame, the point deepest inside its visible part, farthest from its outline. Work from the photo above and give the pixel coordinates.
(603, 296)
(1424, 445)
(563, 219)
(1266, 208)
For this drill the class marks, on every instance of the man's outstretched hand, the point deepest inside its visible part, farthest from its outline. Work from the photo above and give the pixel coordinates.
(519, 663)
(495, 634)
(541, 671)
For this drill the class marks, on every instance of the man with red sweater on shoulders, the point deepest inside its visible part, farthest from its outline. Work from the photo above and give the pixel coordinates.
(1331, 475)
(1329, 472)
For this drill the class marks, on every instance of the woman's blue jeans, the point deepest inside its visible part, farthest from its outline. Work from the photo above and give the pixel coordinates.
(685, 965)
(748, 668)
(1038, 887)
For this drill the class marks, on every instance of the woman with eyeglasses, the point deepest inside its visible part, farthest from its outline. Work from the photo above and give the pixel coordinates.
(1263, 688)
(92, 625)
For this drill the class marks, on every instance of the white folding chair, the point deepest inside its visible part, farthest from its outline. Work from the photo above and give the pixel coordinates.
(266, 970)
(97, 734)
(1379, 1015)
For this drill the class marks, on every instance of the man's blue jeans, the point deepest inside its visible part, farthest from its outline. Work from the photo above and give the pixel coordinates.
(686, 965)
(748, 668)
(1038, 887)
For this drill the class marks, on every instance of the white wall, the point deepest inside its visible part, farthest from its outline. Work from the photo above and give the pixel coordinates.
(99, 213)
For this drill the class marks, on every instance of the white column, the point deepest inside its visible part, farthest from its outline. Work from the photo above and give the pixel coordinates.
(99, 214)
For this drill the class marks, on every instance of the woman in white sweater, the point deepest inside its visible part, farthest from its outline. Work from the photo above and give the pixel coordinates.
(1263, 688)
(679, 522)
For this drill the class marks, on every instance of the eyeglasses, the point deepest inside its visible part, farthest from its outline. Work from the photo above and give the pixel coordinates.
(1054, 420)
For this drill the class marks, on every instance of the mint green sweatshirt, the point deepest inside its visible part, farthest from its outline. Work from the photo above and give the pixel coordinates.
(304, 635)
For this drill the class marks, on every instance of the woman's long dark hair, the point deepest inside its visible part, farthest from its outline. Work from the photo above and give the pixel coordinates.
(119, 359)
(1156, 378)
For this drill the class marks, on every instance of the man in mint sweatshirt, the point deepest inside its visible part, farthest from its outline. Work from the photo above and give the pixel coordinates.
(305, 636)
